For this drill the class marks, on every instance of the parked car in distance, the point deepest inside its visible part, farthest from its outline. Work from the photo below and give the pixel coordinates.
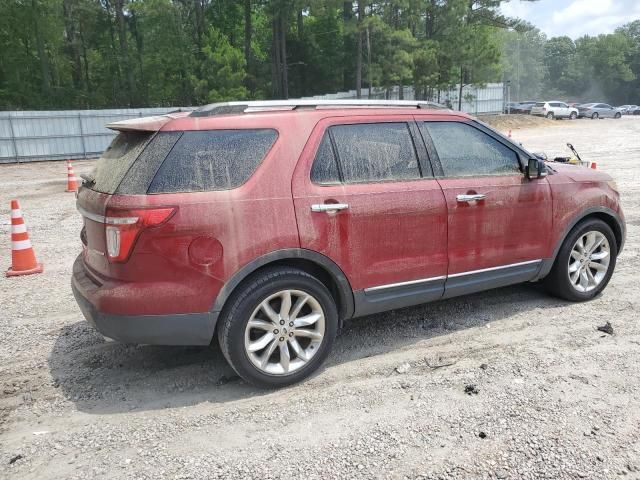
(524, 107)
(510, 107)
(634, 111)
(627, 109)
(598, 110)
(263, 226)
(554, 109)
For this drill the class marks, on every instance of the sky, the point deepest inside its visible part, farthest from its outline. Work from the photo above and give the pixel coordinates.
(574, 18)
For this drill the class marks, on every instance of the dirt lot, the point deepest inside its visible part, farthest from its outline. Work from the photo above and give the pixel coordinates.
(555, 398)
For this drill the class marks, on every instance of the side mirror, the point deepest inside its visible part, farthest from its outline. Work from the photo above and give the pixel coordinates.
(535, 169)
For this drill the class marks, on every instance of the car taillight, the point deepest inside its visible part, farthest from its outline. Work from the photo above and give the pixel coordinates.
(124, 226)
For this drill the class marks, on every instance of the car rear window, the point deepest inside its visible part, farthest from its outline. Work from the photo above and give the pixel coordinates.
(117, 159)
(212, 160)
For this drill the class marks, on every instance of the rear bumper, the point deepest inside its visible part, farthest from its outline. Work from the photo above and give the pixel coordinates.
(175, 329)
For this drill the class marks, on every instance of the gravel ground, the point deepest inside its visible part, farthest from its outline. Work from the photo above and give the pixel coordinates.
(552, 398)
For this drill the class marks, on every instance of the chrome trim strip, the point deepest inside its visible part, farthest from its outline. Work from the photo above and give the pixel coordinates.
(433, 279)
(107, 220)
(462, 274)
(91, 216)
(403, 284)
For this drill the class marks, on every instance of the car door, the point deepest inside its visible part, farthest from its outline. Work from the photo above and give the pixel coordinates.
(566, 110)
(608, 111)
(499, 221)
(366, 198)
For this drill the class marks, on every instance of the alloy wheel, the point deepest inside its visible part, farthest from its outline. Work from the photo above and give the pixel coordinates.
(589, 261)
(284, 332)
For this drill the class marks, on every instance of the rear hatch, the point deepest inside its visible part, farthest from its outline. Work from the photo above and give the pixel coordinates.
(135, 177)
(126, 167)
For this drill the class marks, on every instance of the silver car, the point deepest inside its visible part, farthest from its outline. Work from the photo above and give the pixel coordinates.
(627, 109)
(598, 110)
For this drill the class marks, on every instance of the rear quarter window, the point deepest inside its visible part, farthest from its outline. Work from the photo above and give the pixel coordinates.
(212, 160)
(117, 159)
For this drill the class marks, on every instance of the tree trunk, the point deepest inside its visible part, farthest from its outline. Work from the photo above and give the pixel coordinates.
(276, 75)
(369, 71)
(140, 56)
(347, 14)
(199, 12)
(71, 40)
(461, 87)
(45, 70)
(85, 61)
(430, 19)
(247, 32)
(124, 51)
(359, 50)
(283, 54)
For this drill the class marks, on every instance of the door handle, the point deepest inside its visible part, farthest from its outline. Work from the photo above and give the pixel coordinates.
(328, 207)
(471, 197)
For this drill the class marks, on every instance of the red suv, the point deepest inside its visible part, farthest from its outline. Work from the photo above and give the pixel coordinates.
(267, 224)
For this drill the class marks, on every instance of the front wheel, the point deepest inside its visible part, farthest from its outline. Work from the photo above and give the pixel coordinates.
(618, 115)
(279, 328)
(585, 262)
(594, 116)
(573, 116)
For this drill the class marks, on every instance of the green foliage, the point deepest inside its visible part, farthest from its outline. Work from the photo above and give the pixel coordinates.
(222, 71)
(115, 53)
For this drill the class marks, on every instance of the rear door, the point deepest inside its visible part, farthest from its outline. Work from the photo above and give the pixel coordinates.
(365, 197)
(499, 221)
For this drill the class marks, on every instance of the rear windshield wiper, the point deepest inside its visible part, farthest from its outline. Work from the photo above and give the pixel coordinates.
(88, 179)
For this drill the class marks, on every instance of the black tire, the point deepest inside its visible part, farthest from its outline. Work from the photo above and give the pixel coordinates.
(241, 305)
(557, 282)
(550, 115)
(618, 115)
(594, 116)
(573, 116)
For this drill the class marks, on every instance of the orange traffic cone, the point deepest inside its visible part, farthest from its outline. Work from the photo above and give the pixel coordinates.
(72, 180)
(23, 260)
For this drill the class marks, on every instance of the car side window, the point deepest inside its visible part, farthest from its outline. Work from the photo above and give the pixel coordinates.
(465, 151)
(325, 166)
(554, 104)
(375, 152)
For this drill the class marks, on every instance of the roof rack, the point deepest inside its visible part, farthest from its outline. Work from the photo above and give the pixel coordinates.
(227, 108)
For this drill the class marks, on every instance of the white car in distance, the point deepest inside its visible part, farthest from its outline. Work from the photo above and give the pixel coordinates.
(554, 109)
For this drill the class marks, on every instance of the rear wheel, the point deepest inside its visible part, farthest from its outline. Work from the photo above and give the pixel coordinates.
(279, 327)
(585, 262)
(550, 115)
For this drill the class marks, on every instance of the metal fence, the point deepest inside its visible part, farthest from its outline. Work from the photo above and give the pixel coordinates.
(72, 134)
(57, 135)
(476, 100)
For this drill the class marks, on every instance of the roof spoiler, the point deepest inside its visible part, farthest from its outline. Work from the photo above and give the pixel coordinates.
(144, 124)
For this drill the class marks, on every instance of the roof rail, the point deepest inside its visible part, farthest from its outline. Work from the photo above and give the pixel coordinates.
(226, 108)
